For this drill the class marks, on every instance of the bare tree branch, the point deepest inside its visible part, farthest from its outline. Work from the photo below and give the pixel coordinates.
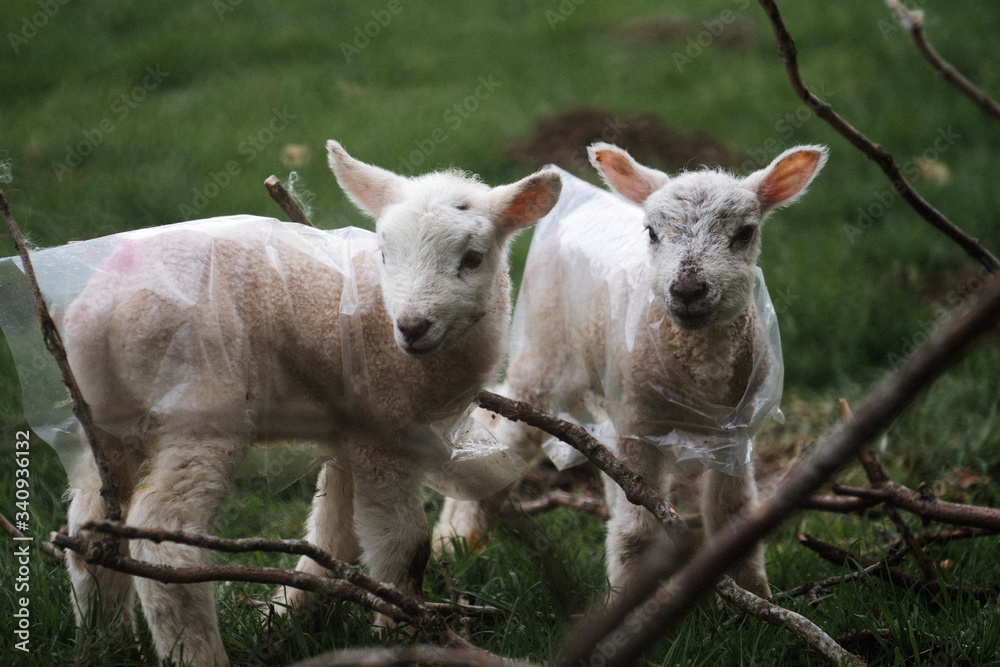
(878, 478)
(409, 655)
(551, 501)
(338, 569)
(635, 487)
(883, 406)
(53, 341)
(913, 23)
(837, 504)
(811, 633)
(286, 201)
(425, 619)
(838, 556)
(881, 157)
(46, 547)
(902, 497)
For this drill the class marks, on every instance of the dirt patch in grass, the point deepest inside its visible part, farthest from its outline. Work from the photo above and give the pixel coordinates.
(562, 139)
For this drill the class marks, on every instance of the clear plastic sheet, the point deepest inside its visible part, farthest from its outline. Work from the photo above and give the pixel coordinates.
(458, 456)
(590, 241)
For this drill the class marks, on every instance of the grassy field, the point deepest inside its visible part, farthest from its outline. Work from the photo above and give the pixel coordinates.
(120, 115)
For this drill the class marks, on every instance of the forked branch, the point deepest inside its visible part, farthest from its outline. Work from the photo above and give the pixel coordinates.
(881, 157)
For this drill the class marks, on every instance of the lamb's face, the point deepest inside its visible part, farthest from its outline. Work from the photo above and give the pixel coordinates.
(703, 227)
(442, 257)
(443, 243)
(703, 232)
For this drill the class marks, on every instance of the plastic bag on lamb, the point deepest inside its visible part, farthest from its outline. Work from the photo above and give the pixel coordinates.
(459, 456)
(591, 240)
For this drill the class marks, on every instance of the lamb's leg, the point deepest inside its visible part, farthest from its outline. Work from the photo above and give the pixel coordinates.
(631, 528)
(330, 527)
(390, 523)
(723, 496)
(187, 480)
(96, 590)
(472, 520)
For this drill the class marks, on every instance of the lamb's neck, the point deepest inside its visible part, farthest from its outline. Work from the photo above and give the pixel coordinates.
(719, 357)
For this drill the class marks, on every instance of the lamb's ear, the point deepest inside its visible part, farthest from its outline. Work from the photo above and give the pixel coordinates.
(524, 203)
(371, 188)
(785, 179)
(623, 174)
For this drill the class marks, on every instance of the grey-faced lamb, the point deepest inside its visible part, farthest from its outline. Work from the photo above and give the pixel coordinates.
(640, 320)
(194, 342)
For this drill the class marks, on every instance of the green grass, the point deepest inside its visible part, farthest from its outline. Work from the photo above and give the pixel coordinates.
(850, 304)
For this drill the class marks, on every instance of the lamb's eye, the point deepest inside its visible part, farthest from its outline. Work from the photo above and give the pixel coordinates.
(744, 236)
(653, 238)
(463, 206)
(471, 260)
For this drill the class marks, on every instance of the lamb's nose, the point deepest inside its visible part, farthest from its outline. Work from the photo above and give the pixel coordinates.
(688, 290)
(413, 329)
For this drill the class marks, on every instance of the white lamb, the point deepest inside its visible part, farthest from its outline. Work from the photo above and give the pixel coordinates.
(190, 344)
(641, 321)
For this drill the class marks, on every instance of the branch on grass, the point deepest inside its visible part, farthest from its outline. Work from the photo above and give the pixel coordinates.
(875, 415)
(53, 341)
(409, 655)
(838, 556)
(913, 23)
(879, 478)
(429, 622)
(551, 501)
(811, 633)
(286, 201)
(659, 562)
(925, 507)
(837, 504)
(46, 547)
(635, 487)
(881, 157)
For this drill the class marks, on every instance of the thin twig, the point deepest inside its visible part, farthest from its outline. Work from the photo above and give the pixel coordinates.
(551, 501)
(808, 631)
(338, 569)
(635, 487)
(913, 23)
(53, 341)
(879, 478)
(838, 556)
(409, 655)
(837, 504)
(46, 547)
(883, 406)
(902, 497)
(286, 201)
(881, 157)
(431, 623)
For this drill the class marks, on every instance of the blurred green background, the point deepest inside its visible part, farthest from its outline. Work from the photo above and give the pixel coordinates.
(176, 111)
(116, 115)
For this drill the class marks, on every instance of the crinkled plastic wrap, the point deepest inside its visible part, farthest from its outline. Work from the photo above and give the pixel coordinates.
(460, 457)
(590, 241)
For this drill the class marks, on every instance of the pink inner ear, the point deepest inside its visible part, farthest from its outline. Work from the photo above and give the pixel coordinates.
(528, 206)
(620, 174)
(788, 178)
